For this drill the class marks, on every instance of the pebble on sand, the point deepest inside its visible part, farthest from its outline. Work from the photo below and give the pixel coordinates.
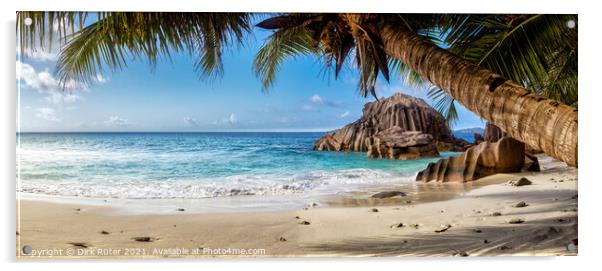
(397, 225)
(304, 222)
(460, 254)
(78, 244)
(374, 210)
(504, 247)
(443, 228)
(521, 204)
(143, 239)
(520, 182)
(496, 214)
(516, 221)
(282, 239)
(104, 232)
(181, 209)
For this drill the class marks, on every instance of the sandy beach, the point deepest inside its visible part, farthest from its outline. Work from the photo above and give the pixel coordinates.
(472, 223)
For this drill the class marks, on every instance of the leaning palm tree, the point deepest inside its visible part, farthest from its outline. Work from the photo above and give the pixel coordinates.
(540, 122)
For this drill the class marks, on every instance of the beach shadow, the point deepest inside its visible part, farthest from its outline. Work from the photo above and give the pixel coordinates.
(546, 235)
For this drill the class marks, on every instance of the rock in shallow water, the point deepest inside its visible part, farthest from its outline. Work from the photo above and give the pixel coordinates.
(405, 112)
(388, 194)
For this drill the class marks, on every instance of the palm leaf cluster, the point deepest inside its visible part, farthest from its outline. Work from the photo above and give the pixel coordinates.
(537, 51)
(115, 38)
(330, 35)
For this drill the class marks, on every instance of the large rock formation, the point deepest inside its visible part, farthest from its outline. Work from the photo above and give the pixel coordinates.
(405, 112)
(504, 156)
(394, 143)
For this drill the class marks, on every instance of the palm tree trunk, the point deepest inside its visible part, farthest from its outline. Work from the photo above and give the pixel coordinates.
(539, 122)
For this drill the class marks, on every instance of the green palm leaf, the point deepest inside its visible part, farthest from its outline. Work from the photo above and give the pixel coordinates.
(116, 38)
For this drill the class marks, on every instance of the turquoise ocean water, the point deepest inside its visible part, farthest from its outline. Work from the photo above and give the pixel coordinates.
(194, 165)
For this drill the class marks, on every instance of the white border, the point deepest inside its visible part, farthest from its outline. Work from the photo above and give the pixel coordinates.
(590, 96)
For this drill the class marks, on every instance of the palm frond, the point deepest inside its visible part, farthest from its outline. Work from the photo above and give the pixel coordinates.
(282, 44)
(115, 38)
(444, 104)
(38, 30)
(527, 49)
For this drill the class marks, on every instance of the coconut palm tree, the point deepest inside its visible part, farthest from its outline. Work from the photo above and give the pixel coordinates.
(540, 122)
(377, 42)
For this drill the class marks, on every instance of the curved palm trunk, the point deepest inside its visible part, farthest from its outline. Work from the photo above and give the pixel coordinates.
(533, 119)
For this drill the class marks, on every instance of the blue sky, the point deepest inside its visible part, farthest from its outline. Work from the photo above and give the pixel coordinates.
(173, 98)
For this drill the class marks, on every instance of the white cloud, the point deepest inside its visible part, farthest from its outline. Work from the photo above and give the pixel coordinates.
(39, 55)
(308, 108)
(58, 97)
(344, 115)
(45, 83)
(191, 121)
(117, 121)
(316, 99)
(232, 119)
(227, 121)
(47, 114)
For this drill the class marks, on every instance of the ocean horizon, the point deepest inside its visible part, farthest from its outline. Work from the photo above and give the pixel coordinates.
(192, 165)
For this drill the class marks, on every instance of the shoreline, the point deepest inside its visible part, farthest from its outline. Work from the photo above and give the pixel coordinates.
(549, 225)
(417, 192)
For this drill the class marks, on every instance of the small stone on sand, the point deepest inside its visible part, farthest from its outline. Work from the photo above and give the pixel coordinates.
(443, 228)
(477, 230)
(282, 239)
(516, 221)
(181, 209)
(143, 239)
(374, 210)
(520, 204)
(520, 182)
(397, 225)
(504, 247)
(496, 214)
(78, 244)
(104, 232)
(304, 222)
(460, 254)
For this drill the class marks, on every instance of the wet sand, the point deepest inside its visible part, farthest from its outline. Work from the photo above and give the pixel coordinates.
(433, 220)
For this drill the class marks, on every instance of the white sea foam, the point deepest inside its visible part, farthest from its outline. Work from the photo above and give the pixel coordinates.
(317, 181)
